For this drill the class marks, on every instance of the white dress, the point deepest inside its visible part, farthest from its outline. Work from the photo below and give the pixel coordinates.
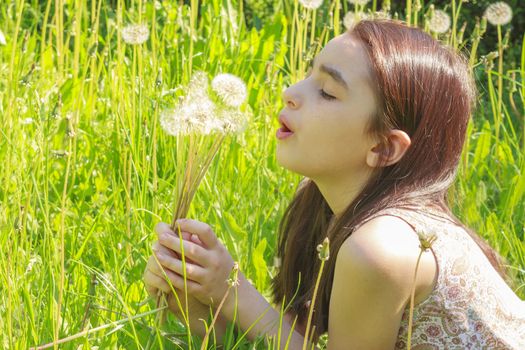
(471, 306)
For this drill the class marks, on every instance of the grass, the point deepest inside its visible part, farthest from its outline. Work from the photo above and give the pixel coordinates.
(84, 183)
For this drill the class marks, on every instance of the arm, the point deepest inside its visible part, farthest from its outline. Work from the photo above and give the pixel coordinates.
(372, 284)
(254, 311)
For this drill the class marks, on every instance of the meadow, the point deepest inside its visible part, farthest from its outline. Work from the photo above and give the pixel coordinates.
(86, 170)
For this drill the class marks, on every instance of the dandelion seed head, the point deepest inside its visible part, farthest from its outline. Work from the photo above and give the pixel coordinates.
(381, 15)
(198, 87)
(175, 123)
(199, 80)
(230, 89)
(311, 4)
(201, 110)
(192, 116)
(439, 22)
(234, 121)
(498, 13)
(351, 19)
(212, 125)
(359, 2)
(135, 34)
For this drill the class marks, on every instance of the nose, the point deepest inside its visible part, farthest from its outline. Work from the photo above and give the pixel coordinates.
(290, 99)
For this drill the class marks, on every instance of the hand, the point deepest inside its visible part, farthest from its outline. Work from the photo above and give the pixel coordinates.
(155, 281)
(208, 265)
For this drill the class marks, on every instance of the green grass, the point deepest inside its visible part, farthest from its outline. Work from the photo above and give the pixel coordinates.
(84, 184)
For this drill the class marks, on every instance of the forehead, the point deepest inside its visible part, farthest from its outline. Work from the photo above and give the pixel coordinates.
(346, 54)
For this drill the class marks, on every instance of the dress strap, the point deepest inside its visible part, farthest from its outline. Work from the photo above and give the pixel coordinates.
(421, 219)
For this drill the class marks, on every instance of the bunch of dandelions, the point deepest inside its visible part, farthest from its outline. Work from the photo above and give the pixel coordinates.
(200, 122)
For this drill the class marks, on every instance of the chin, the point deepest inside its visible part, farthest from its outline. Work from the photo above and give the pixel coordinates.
(291, 163)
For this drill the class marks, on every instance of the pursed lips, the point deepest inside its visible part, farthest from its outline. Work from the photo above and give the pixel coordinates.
(284, 124)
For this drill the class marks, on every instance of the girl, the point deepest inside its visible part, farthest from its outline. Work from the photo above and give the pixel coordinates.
(377, 129)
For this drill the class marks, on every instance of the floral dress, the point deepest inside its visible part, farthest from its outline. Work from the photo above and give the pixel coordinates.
(471, 306)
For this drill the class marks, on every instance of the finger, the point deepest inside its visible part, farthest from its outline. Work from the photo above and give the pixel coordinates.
(158, 248)
(177, 282)
(195, 239)
(193, 272)
(154, 282)
(191, 250)
(202, 230)
(154, 266)
(162, 227)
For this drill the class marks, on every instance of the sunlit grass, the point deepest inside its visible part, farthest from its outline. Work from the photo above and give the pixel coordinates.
(86, 172)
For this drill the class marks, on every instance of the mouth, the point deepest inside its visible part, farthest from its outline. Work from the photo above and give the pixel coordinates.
(284, 128)
(285, 131)
(284, 124)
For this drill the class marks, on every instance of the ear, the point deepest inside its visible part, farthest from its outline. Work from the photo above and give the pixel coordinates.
(391, 151)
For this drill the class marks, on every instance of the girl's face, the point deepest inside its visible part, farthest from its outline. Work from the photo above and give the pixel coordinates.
(328, 113)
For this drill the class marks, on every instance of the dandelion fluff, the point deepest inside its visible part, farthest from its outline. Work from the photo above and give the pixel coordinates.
(199, 80)
(135, 34)
(175, 123)
(230, 89)
(381, 15)
(498, 13)
(192, 117)
(351, 19)
(439, 22)
(311, 4)
(359, 2)
(234, 121)
(198, 87)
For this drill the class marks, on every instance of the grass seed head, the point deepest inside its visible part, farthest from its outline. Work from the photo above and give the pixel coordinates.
(323, 250)
(426, 239)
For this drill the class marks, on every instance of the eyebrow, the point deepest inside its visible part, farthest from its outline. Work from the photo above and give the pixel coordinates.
(334, 73)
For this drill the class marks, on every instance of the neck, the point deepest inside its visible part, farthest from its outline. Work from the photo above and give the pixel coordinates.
(340, 191)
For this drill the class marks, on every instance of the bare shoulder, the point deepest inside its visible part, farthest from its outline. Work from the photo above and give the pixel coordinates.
(373, 277)
(388, 248)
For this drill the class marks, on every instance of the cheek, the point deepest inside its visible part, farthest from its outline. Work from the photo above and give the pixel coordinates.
(324, 149)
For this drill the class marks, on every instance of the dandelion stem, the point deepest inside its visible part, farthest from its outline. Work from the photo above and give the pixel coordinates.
(412, 295)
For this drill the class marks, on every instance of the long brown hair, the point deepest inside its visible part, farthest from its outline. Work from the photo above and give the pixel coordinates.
(423, 88)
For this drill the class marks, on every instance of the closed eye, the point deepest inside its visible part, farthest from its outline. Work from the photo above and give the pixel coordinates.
(326, 96)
